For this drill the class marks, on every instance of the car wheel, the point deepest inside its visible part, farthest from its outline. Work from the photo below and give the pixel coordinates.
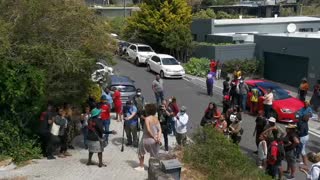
(274, 114)
(136, 62)
(162, 74)
(148, 68)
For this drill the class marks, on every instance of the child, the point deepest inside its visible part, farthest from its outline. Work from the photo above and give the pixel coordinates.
(84, 122)
(262, 153)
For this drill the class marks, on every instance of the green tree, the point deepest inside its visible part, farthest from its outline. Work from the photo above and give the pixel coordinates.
(204, 14)
(155, 20)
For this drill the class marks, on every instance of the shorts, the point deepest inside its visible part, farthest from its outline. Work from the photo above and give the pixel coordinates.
(304, 140)
(291, 158)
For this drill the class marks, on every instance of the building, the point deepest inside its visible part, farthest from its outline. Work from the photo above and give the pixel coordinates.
(289, 57)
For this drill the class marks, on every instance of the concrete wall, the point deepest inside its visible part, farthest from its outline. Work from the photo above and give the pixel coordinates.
(303, 47)
(200, 28)
(111, 12)
(226, 53)
(219, 39)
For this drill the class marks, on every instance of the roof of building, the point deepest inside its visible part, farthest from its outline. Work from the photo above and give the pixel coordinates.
(311, 35)
(266, 20)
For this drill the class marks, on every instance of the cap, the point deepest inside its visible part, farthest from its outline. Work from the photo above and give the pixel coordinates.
(95, 112)
(103, 97)
(272, 119)
(183, 109)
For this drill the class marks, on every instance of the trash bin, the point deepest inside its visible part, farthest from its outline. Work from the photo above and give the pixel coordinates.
(172, 167)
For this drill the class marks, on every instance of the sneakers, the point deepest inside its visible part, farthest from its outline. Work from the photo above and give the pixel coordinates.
(139, 168)
(290, 177)
(51, 157)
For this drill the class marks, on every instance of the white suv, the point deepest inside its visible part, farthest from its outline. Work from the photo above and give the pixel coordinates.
(165, 65)
(139, 53)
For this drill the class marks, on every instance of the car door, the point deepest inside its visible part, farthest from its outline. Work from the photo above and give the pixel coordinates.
(132, 51)
(152, 62)
(157, 66)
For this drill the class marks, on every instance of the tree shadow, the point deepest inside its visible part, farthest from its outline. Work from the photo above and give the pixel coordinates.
(85, 161)
(135, 164)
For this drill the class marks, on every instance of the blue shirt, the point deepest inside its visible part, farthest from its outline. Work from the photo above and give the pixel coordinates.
(132, 109)
(305, 111)
(109, 97)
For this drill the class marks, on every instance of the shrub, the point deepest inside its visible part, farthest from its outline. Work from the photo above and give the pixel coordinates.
(220, 158)
(197, 66)
(247, 66)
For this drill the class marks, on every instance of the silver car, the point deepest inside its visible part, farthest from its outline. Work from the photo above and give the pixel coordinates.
(124, 84)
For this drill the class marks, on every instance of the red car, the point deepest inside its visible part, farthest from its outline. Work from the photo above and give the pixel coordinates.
(284, 106)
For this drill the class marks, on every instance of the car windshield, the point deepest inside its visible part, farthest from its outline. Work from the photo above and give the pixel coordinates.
(169, 61)
(125, 88)
(144, 49)
(279, 94)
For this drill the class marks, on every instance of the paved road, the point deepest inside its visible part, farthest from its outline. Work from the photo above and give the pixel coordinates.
(193, 96)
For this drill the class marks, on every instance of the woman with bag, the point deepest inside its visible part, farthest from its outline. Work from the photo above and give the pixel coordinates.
(95, 136)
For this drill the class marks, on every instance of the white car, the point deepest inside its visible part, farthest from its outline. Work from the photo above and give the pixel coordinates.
(165, 65)
(101, 71)
(139, 53)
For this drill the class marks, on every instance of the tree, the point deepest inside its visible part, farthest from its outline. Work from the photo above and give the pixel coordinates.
(155, 20)
(204, 14)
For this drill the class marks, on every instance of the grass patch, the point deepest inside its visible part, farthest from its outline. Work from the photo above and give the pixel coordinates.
(219, 158)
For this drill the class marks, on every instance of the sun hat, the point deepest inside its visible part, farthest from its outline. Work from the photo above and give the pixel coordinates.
(272, 119)
(103, 97)
(291, 126)
(304, 79)
(95, 112)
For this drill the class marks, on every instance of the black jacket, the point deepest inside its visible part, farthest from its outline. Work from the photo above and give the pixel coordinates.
(95, 129)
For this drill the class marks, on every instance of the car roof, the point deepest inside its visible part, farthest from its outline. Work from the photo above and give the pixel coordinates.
(121, 80)
(138, 44)
(164, 56)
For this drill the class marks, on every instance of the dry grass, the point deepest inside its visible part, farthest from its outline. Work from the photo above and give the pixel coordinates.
(188, 172)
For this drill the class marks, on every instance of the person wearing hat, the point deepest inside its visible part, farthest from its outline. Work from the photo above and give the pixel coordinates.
(95, 136)
(139, 102)
(303, 89)
(291, 141)
(269, 128)
(105, 115)
(130, 123)
(314, 172)
(181, 121)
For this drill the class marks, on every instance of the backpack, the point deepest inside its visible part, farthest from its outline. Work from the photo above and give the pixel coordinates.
(281, 151)
(316, 167)
(138, 101)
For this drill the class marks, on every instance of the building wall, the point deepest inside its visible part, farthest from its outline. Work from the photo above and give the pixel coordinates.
(225, 53)
(303, 47)
(200, 28)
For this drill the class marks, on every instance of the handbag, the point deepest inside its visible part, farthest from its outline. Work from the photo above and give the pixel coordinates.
(55, 129)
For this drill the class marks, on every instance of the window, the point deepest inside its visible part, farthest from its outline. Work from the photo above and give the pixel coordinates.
(125, 88)
(169, 61)
(133, 48)
(144, 49)
(194, 37)
(306, 30)
(155, 59)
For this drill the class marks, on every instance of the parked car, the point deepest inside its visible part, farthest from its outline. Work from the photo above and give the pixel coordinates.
(139, 53)
(101, 71)
(284, 107)
(122, 47)
(124, 84)
(165, 65)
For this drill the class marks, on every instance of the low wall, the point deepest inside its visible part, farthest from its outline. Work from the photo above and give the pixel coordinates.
(225, 52)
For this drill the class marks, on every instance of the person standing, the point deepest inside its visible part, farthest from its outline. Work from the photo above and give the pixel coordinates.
(219, 67)
(315, 99)
(275, 156)
(157, 87)
(226, 86)
(213, 66)
(303, 89)
(175, 109)
(95, 137)
(303, 131)
(209, 83)
(267, 103)
(262, 153)
(63, 123)
(108, 95)
(130, 124)
(254, 101)
(46, 119)
(151, 138)
(181, 121)
(244, 89)
(138, 101)
(71, 126)
(84, 125)
(261, 122)
(105, 116)
(290, 144)
(165, 114)
(117, 104)
(226, 104)
(237, 72)
(234, 92)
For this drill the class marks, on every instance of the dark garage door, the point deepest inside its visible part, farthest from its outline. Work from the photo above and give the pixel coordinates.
(286, 69)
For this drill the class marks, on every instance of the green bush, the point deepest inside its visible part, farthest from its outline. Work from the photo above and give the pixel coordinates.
(197, 66)
(220, 158)
(248, 66)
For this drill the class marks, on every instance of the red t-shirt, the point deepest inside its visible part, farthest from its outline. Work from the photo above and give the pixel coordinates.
(213, 66)
(274, 153)
(105, 112)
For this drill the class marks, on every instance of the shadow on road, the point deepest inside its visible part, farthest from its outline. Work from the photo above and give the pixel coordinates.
(116, 141)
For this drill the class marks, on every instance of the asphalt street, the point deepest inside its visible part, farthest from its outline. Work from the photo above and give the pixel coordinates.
(193, 96)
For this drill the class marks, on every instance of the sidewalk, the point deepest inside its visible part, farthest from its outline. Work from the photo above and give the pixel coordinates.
(120, 165)
(314, 126)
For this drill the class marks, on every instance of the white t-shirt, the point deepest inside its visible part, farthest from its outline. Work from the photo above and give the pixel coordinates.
(261, 149)
(314, 172)
(181, 124)
(268, 98)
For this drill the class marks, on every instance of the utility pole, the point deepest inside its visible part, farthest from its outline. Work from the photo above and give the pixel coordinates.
(124, 8)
